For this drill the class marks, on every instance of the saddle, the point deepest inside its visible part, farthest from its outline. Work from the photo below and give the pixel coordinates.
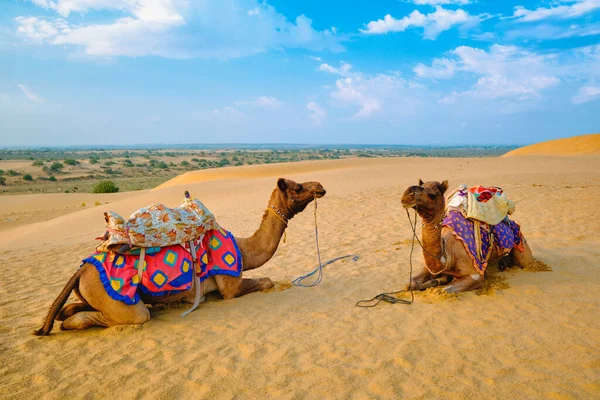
(485, 204)
(157, 226)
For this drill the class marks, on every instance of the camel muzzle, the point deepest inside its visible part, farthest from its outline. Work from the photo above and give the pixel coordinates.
(409, 198)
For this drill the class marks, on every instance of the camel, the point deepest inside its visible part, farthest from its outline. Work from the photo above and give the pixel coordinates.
(97, 308)
(446, 260)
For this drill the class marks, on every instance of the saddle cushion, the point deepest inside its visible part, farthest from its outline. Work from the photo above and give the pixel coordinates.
(486, 204)
(506, 236)
(167, 270)
(158, 225)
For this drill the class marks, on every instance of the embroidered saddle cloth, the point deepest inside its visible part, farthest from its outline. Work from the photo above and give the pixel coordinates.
(158, 225)
(478, 238)
(167, 270)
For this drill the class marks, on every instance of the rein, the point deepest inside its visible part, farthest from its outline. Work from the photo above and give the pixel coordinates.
(300, 280)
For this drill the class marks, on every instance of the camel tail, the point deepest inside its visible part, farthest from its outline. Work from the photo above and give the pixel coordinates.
(58, 304)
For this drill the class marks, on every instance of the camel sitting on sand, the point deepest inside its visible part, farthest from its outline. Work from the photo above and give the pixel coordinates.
(446, 259)
(97, 308)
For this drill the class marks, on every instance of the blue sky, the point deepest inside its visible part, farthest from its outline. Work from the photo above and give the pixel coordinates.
(443, 72)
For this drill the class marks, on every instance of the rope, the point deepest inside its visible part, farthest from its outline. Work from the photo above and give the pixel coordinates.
(391, 297)
(299, 281)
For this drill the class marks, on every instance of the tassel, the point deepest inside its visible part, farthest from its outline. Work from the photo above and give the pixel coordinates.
(284, 236)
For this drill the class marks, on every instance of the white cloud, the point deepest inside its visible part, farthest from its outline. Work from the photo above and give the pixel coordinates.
(317, 114)
(176, 29)
(586, 94)
(31, 95)
(266, 102)
(440, 2)
(578, 8)
(433, 23)
(503, 72)
(441, 68)
(343, 70)
(372, 95)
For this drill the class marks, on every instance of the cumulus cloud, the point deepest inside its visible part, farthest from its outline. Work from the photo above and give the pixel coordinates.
(433, 23)
(30, 94)
(176, 28)
(372, 95)
(316, 114)
(577, 9)
(502, 72)
(586, 94)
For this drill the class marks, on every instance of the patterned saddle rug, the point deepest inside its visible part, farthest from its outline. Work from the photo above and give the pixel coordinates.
(506, 235)
(158, 225)
(167, 270)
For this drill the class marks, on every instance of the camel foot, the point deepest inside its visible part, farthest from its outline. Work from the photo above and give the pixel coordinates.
(265, 283)
(465, 283)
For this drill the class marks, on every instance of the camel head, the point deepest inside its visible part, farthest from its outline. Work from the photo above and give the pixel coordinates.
(427, 198)
(292, 197)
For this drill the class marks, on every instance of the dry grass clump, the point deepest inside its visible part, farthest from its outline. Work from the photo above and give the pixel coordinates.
(493, 281)
(537, 266)
(435, 295)
(280, 286)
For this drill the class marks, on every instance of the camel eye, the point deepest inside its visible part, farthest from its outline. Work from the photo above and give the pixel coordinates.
(299, 189)
(432, 196)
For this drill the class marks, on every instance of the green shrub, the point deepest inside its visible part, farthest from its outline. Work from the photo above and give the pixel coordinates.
(56, 167)
(110, 163)
(52, 178)
(106, 187)
(2, 180)
(27, 177)
(185, 164)
(162, 165)
(38, 163)
(12, 173)
(93, 160)
(71, 161)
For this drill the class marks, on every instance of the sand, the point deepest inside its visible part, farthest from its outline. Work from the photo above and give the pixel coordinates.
(575, 145)
(536, 335)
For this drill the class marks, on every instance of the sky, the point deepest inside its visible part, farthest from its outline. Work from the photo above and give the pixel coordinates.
(421, 72)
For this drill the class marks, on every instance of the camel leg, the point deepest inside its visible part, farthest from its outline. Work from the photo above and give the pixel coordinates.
(71, 309)
(465, 283)
(439, 281)
(84, 320)
(524, 258)
(419, 279)
(109, 312)
(231, 287)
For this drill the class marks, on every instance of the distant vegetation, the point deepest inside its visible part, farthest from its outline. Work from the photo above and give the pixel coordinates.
(81, 170)
(106, 187)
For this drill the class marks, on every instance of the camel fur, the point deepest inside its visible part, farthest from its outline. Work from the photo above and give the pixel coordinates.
(97, 308)
(446, 258)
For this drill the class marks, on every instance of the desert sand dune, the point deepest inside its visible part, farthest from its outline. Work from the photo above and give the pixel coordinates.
(538, 338)
(571, 146)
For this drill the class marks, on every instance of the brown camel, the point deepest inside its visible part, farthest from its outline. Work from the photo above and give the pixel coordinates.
(446, 259)
(97, 308)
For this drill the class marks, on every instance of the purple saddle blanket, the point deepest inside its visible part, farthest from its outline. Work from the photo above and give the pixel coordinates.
(506, 236)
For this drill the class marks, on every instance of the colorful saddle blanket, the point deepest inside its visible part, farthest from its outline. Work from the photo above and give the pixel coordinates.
(506, 236)
(167, 270)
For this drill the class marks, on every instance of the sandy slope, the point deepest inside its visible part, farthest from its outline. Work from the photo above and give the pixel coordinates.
(537, 339)
(575, 145)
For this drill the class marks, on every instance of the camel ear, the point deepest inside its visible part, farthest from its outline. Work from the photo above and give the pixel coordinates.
(281, 184)
(421, 182)
(444, 186)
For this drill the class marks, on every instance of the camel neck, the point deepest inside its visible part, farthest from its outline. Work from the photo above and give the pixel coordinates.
(431, 238)
(261, 246)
